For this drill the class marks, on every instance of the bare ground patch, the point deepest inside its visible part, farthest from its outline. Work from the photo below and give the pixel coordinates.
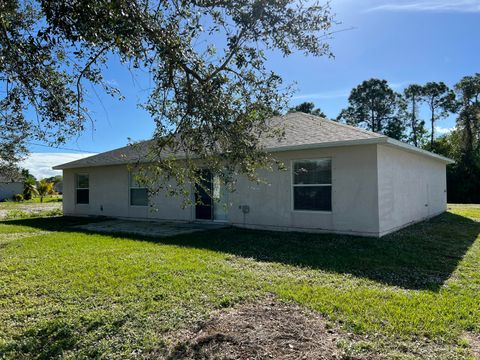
(474, 343)
(267, 329)
(271, 329)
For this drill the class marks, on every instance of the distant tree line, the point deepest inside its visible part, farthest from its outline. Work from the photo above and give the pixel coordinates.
(375, 106)
(308, 108)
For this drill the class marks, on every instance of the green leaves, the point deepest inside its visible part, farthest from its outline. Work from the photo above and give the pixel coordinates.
(202, 95)
(308, 108)
(374, 105)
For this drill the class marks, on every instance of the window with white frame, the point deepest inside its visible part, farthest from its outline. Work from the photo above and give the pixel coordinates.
(82, 189)
(312, 185)
(138, 193)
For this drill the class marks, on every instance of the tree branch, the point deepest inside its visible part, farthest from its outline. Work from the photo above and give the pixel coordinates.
(82, 74)
(233, 51)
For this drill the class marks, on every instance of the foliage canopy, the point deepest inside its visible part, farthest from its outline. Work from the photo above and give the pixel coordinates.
(212, 92)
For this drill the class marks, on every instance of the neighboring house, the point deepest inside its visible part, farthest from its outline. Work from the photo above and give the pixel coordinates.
(58, 187)
(9, 187)
(340, 179)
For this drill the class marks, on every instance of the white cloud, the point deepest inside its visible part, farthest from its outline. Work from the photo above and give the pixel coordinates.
(40, 164)
(428, 5)
(442, 130)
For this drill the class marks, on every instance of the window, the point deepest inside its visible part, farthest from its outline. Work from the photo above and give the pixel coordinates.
(138, 193)
(312, 185)
(82, 189)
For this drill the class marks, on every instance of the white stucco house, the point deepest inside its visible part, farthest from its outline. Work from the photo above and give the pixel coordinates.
(339, 179)
(10, 187)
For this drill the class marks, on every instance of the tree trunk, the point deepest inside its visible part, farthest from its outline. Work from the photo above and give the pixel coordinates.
(433, 127)
(414, 122)
(372, 121)
(468, 133)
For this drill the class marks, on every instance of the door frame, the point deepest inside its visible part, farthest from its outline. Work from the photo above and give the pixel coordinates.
(212, 204)
(200, 192)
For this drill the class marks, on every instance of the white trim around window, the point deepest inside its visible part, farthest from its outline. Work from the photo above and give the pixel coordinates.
(321, 180)
(142, 201)
(83, 188)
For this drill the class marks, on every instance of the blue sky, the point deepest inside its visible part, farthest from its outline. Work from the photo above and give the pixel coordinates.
(404, 42)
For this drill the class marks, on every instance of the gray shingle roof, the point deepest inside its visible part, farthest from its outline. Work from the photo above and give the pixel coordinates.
(123, 155)
(304, 129)
(301, 131)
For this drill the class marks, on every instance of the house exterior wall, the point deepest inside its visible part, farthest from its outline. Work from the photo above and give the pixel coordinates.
(411, 188)
(8, 190)
(354, 195)
(109, 195)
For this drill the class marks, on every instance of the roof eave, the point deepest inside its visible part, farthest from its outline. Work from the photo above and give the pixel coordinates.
(79, 166)
(413, 149)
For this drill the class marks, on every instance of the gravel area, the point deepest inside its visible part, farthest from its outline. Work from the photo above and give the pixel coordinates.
(28, 208)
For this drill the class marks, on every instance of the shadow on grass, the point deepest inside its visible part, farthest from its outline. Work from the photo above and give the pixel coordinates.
(422, 256)
(47, 342)
(54, 338)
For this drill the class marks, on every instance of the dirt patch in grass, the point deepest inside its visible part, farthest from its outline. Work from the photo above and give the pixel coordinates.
(474, 344)
(264, 330)
(271, 329)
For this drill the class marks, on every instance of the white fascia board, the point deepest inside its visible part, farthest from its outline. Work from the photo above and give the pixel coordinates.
(411, 148)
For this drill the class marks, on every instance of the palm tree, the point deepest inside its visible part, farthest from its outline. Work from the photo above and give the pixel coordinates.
(44, 188)
(29, 190)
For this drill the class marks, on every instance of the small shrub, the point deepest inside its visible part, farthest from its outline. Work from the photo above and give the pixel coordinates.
(18, 197)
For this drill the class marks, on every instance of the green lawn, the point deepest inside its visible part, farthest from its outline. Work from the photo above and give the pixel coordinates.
(76, 295)
(36, 200)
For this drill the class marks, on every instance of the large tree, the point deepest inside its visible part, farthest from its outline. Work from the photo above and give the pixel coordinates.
(211, 93)
(375, 106)
(468, 121)
(440, 101)
(308, 108)
(413, 95)
(13, 134)
(463, 144)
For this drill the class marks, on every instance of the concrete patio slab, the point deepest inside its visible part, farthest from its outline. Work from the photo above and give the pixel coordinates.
(148, 228)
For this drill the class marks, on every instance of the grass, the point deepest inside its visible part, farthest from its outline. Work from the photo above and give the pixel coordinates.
(36, 200)
(471, 211)
(75, 294)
